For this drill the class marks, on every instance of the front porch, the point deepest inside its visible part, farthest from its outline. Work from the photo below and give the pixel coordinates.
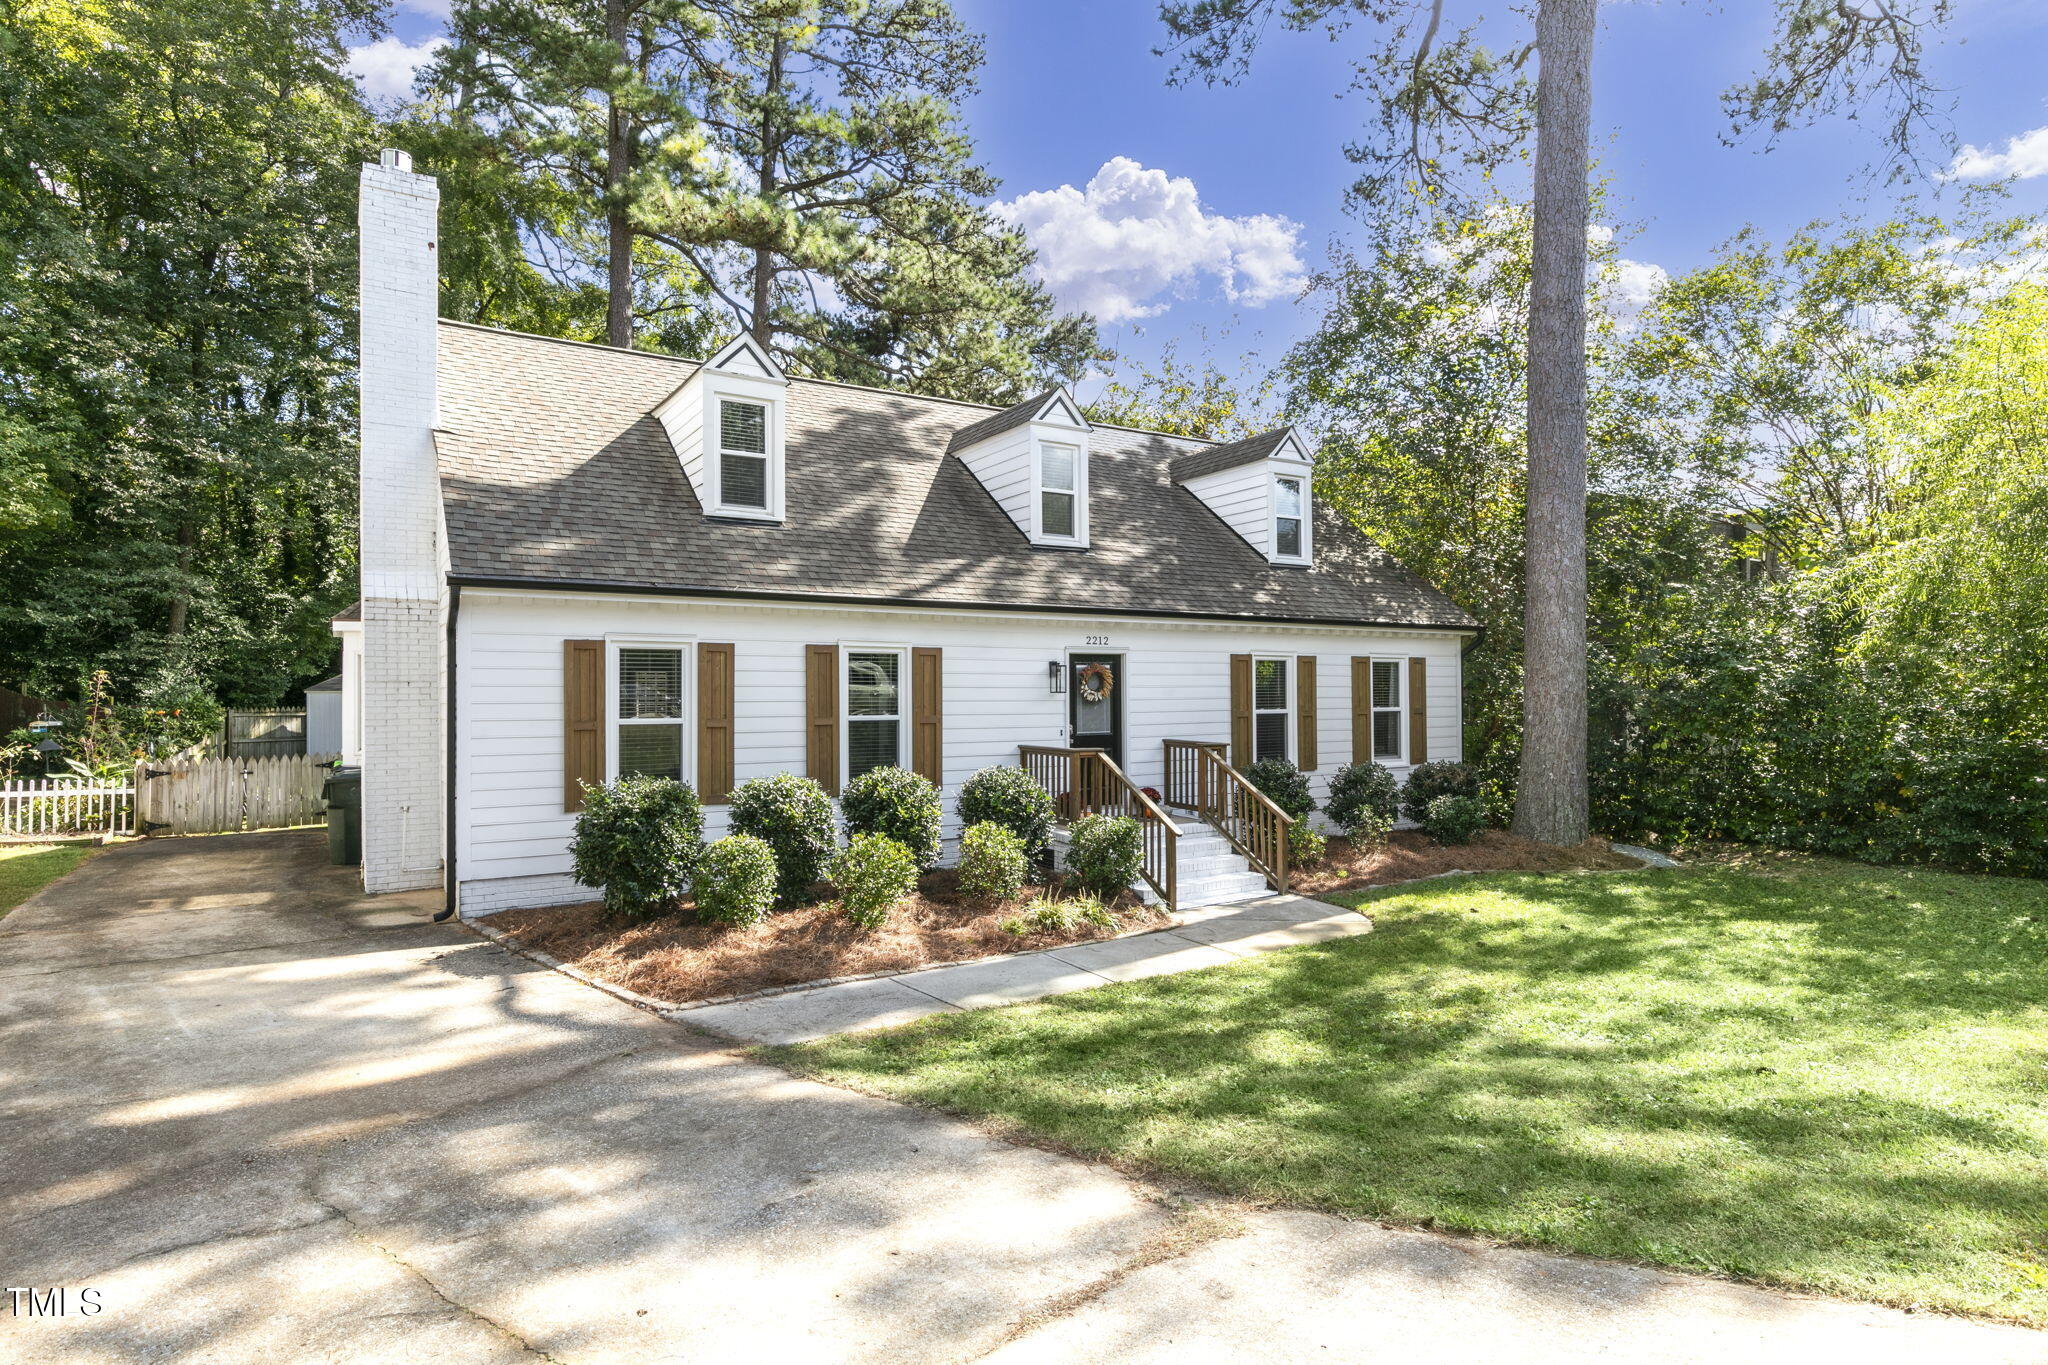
(1210, 837)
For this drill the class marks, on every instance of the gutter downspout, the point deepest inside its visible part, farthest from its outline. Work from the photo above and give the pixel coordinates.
(450, 904)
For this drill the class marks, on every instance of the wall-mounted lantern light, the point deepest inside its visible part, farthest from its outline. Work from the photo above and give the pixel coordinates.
(1056, 676)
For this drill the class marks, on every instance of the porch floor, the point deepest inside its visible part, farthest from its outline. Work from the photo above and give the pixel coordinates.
(1209, 936)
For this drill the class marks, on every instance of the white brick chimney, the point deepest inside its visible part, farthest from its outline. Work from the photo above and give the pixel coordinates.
(403, 555)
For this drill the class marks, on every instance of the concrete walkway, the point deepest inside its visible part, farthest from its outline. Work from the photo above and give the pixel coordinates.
(269, 1121)
(1206, 937)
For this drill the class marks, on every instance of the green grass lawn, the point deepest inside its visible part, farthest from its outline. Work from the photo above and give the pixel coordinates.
(1820, 1074)
(27, 868)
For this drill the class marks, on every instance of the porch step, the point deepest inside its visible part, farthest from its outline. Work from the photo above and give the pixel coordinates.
(1227, 889)
(1210, 871)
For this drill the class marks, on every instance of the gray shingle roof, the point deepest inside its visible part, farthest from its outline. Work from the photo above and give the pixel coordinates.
(554, 470)
(999, 422)
(1216, 459)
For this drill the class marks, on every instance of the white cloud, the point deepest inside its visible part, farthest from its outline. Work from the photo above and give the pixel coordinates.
(1135, 233)
(386, 67)
(1629, 287)
(2025, 156)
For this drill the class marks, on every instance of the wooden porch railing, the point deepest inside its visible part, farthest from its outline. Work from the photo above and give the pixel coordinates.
(1088, 782)
(1199, 778)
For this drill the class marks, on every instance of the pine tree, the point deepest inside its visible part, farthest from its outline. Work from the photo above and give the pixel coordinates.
(555, 122)
(849, 235)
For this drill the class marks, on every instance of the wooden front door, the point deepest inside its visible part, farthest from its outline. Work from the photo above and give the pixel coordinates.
(1095, 703)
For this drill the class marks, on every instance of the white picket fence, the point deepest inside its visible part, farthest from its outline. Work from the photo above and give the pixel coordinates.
(216, 795)
(62, 807)
(174, 796)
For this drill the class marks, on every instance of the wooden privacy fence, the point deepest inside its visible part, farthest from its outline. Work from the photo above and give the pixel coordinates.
(219, 795)
(62, 806)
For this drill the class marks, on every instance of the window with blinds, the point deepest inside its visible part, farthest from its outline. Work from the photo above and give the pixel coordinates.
(650, 717)
(874, 710)
(1386, 709)
(1269, 708)
(742, 454)
(1059, 494)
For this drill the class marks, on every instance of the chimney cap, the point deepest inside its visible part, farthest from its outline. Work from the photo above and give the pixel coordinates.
(393, 159)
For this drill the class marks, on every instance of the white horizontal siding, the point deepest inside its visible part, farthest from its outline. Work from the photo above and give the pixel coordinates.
(1003, 465)
(684, 422)
(1175, 683)
(1243, 498)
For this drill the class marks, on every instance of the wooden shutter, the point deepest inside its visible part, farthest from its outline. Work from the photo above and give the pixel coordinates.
(1305, 711)
(821, 714)
(582, 719)
(714, 723)
(1418, 710)
(1240, 710)
(928, 715)
(1361, 710)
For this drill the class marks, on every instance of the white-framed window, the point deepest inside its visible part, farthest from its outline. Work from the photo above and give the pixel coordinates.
(1290, 517)
(745, 456)
(650, 709)
(1059, 491)
(876, 683)
(1389, 683)
(1272, 707)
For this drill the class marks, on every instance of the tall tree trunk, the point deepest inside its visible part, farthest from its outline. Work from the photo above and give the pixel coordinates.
(1551, 799)
(618, 168)
(762, 327)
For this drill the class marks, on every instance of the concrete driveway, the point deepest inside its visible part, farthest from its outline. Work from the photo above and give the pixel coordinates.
(268, 1119)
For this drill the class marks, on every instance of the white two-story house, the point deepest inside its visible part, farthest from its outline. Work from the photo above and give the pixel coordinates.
(580, 562)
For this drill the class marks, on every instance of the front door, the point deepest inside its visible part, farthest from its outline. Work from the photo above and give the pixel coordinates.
(1095, 703)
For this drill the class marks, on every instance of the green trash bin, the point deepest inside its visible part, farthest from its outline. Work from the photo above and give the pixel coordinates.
(343, 793)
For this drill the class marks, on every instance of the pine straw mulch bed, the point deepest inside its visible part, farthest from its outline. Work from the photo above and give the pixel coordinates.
(1410, 854)
(675, 959)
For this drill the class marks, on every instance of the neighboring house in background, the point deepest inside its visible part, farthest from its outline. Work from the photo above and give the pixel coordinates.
(580, 562)
(323, 716)
(349, 626)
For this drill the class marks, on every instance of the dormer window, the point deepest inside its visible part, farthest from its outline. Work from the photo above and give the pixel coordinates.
(1289, 508)
(743, 455)
(725, 423)
(1059, 468)
(1033, 460)
(1262, 488)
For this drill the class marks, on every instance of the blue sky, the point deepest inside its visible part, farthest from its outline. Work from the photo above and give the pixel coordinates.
(1192, 212)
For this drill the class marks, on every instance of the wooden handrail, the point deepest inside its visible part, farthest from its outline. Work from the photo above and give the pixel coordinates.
(1199, 777)
(1089, 782)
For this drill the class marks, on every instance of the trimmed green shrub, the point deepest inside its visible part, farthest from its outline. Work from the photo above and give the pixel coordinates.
(1008, 797)
(1306, 845)
(872, 873)
(1428, 781)
(991, 863)
(1107, 853)
(1363, 798)
(1454, 819)
(736, 881)
(793, 816)
(1373, 829)
(639, 839)
(1044, 916)
(1284, 784)
(900, 804)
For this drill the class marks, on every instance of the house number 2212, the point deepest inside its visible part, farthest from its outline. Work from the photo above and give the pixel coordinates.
(1098, 639)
